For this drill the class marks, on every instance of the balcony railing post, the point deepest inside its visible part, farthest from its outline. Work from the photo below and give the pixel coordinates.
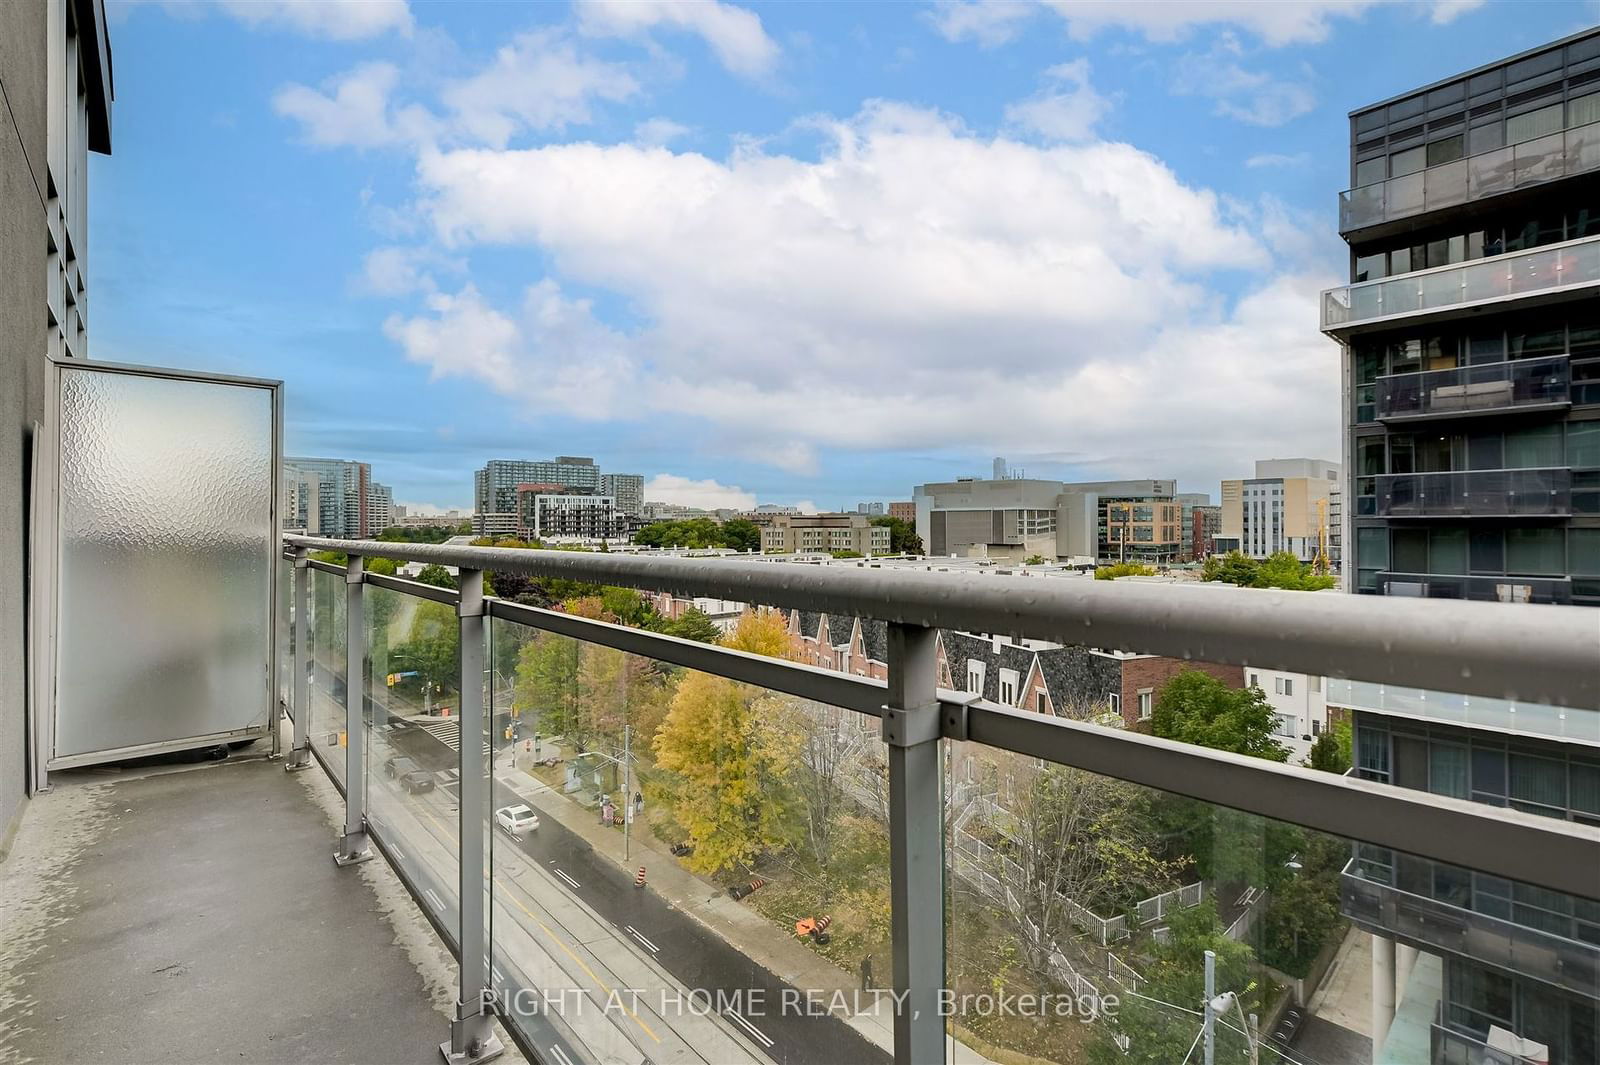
(472, 1034)
(300, 748)
(354, 846)
(916, 843)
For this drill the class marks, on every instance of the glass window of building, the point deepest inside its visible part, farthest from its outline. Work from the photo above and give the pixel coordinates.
(1487, 134)
(1583, 110)
(1446, 149)
(1534, 552)
(1530, 124)
(1370, 171)
(1533, 447)
(1407, 162)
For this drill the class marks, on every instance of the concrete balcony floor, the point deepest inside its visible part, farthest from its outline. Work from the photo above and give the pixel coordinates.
(194, 914)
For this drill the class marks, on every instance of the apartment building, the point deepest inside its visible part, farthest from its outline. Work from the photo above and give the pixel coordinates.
(904, 510)
(789, 533)
(1300, 702)
(627, 489)
(1286, 506)
(1013, 518)
(349, 505)
(55, 76)
(1471, 359)
(1205, 525)
(551, 511)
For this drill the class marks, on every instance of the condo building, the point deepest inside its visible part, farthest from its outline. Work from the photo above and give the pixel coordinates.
(1286, 506)
(1471, 365)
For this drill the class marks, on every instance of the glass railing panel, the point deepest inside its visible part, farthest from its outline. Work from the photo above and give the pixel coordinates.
(1476, 493)
(285, 620)
(1363, 206)
(326, 727)
(1079, 909)
(413, 776)
(1484, 588)
(1573, 724)
(1446, 185)
(1469, 389)
(1542, 159)
(1491, 172)
(1404, 195)
(706, 788)
(1583, 149)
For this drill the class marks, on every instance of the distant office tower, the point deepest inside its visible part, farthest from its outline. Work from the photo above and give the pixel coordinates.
(1284, 507)
(873, 510)
(380, 507)
(494, 488)
(999, 468)
(628, 491)
(1471, 351)
(345, 500)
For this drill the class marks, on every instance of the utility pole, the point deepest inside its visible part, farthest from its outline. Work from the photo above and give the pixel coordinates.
(627, 793)
(1210, 1018)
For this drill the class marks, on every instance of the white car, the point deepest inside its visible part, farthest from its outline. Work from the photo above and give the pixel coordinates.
(518, 820)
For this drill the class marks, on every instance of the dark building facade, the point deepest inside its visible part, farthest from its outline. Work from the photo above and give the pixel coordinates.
(1471, 344)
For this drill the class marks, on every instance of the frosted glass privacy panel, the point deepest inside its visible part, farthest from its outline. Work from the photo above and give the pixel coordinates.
(166, 535)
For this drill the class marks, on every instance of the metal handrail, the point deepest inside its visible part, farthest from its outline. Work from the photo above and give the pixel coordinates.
(1544, 654)
(1553, 854)
(1532, 361)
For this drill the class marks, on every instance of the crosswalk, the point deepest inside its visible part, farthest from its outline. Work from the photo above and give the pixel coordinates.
(447, 730)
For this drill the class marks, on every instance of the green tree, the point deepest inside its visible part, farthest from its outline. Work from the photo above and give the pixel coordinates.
(903, 538)
(695, 624)
(436, 575)
(1195, 707)
(1123, 569)
(1034, 560)
(1160, 1035)
(1279, 570)
(846, 553)
(741, 534)
(432, 649)
(1302, 913)
(546, 685)
(1328, 754)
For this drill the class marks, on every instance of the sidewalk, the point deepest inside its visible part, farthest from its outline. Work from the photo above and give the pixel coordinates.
(709, 904)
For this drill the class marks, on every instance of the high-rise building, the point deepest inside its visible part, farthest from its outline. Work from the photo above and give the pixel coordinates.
(1284, 507)
(55, 69)
(1186, 534)
(551, 511)
(627, 489)
(380, 507)
(1471, 362)
(494, 488)
(346, 504)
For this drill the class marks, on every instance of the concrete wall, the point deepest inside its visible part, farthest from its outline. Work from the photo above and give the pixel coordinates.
(23, 343)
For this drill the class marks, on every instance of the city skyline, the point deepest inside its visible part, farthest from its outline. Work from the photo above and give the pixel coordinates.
(1175, 157)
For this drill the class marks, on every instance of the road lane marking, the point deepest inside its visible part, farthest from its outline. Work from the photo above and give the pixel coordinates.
(557, 940)
(747, 1026)
(634, 932)
(571, 882)
(432, 897)
(560, 1054)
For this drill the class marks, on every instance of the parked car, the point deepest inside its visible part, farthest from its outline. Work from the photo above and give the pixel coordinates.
(398, 766)
(417, 781)
(518, 820)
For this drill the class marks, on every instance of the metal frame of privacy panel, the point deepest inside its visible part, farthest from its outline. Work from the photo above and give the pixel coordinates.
(157, 526)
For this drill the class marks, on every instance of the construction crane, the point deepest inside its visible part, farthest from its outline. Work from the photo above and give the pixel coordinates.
(1320, 564)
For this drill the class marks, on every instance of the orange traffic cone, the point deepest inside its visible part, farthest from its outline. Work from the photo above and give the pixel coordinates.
(638, 881)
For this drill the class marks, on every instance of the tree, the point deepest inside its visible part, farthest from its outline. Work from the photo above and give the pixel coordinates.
(733, 801)
(741, 534)
(1328, 754)
(1034, 560)
(1195, 707)
(1279, 570)
(903, 538)
(819, 739)
(1157, 1034)
(694, 624)
(1068, 837)
(546, 684)
(1303, 904)
(1123, 569)
(433, 647)
(436, 575)
(847, 553)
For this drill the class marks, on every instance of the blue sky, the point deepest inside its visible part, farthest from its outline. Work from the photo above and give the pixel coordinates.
(809, 253)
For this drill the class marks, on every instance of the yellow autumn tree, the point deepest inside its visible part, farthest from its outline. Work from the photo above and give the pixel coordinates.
(732, 801)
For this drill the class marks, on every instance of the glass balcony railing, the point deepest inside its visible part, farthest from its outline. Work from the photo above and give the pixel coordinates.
(1545, 270)
(624, 836)
(1489, 589)
(1523, 493)
(1435, 924)
(1515, 166)
(1487, 388)
(1574, 724)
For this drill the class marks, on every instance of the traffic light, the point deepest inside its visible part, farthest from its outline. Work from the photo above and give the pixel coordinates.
(391, 679)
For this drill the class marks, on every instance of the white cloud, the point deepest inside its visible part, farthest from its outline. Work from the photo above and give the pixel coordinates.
(1033, 293)
(539, 81)
(355, 110)
(1254, 97)
(988, 22)
(733, 33)
(340, 20)
(1268, 159)
(396, 270)
(1446, 11)
(706, 494)
(1066, 110)
(659, 132)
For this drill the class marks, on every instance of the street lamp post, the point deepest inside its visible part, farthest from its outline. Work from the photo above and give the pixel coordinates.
(1220, 1005)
